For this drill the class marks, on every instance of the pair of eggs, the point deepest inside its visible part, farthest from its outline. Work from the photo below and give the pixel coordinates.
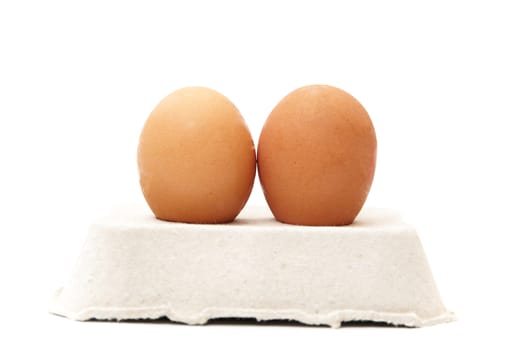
(316, 157)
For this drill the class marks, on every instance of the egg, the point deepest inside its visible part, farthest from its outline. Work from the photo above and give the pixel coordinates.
(316, 157)
(196, 158)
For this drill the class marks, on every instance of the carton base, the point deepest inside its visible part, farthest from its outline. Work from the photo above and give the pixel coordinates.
(133, 266)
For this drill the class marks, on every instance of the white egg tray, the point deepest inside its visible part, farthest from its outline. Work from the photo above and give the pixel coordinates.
(133, 266)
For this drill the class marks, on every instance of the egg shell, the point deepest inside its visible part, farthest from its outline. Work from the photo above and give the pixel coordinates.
(316, 157)
(196, 158)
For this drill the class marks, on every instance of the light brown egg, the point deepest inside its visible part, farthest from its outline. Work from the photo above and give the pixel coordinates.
(316, 157)
(196, 158)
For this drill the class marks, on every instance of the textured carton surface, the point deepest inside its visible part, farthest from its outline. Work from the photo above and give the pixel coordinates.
(133, 266)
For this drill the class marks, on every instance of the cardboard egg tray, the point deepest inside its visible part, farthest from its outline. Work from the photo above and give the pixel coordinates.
(133, 266)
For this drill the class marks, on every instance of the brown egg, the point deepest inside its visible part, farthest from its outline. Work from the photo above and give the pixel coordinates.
(316, 157)
(196, 158)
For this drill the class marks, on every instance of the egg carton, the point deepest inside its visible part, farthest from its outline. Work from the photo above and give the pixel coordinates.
(133, 266)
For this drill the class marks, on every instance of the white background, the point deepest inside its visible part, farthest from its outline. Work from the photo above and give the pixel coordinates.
(445, 83)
